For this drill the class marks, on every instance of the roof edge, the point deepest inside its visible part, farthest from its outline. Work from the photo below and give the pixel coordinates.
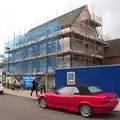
(114, 39)
(82, 7)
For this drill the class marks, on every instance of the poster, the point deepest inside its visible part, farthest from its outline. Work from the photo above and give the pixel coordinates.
(28, 81)
(70, 78)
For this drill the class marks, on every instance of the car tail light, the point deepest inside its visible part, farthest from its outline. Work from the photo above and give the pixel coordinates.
(116, 97)
(106, 100)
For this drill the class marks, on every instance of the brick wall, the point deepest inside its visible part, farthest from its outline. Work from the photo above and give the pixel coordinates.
(112, 60)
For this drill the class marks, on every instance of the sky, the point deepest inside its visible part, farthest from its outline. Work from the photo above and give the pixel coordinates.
(18, 16)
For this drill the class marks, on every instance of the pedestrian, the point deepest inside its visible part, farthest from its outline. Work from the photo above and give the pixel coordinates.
(22, 84)
(10, 83)
(53, 87)
(17, 84)
(34, 87)
(14, 84)
(42, 88)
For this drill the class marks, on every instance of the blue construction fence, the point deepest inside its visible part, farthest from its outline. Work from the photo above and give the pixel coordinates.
(105, 77)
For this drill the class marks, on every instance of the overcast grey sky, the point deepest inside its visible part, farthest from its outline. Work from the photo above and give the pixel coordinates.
(16, 15)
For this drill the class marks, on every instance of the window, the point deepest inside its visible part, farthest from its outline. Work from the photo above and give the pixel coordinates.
(66, 90)
(76, 90)
(84, 90)
(94, 89)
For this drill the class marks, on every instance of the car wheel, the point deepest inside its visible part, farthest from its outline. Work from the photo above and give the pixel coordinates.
(86, 110)
(43, 103)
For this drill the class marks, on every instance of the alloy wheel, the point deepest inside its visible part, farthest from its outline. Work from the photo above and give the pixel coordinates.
(86, 111)
(43, 103)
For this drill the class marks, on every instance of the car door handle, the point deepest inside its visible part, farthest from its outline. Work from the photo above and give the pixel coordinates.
(67, 96)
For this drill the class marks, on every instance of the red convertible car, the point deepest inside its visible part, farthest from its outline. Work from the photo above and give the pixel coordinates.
(83, 99)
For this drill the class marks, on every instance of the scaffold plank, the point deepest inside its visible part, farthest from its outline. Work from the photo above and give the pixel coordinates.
(55, 53)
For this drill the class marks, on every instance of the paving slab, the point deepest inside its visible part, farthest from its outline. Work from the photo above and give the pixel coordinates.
(21, 93)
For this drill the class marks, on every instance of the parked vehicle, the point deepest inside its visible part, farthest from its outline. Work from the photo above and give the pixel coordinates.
(1, 88)
(84, 99)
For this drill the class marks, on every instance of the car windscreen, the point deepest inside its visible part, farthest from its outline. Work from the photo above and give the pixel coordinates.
(94, 89)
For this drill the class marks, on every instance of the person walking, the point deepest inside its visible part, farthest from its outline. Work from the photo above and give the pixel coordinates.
(22, 84)
(34, 87)
(42, 88)
(17, 84)
(10, 83)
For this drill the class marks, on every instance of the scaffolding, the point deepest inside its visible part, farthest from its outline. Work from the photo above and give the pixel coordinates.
(77, 44)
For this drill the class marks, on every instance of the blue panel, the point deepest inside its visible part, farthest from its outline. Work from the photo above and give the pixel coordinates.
(105, 77)
(27, 81)
(35, 34)
(43, 31)
(43, 47)
(51, 63)
(5, 68)
(43, 65)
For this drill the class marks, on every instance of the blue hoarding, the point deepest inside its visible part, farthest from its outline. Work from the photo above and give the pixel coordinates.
(105, 77)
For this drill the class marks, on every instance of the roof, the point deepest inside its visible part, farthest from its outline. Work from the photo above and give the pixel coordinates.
(78, 85)
(114, 49)
(83, 89)
(69, 17)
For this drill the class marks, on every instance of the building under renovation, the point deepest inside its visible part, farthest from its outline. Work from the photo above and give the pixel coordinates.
(71, 40)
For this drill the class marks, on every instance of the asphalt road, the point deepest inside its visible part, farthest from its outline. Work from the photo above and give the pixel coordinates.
(18, 108)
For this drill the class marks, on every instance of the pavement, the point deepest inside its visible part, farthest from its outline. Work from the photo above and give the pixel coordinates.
(26, 94)
(21, 93)
(20, 108)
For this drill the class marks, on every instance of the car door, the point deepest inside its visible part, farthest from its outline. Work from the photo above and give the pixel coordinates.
(65, 97)
(72, 99)
(52, 99)
(76, 99)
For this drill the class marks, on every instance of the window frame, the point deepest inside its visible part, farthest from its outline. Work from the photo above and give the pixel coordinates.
(72, 93)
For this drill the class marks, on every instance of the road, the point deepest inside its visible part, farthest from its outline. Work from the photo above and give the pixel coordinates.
(18, 108)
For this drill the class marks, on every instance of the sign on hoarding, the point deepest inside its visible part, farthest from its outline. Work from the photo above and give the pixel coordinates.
(70, 78)
(28, 81)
